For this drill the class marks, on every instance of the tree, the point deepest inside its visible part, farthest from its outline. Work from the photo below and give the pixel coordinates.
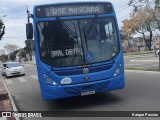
(141, 21)
(29, 47)
(157, 3)
(13, 55)
(123, 36)
(22, 53)
(146, 22)
(150, 15)
(157, 13)
(129, 27)
(2, 29)
(3, 58)
(10, 48)
(147, 4)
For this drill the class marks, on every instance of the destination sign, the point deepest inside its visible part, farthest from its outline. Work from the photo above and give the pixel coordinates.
(67, 52)
(73, 9)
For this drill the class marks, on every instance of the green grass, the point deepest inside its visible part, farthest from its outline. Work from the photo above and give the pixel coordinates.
(145, 69)
(138, 53)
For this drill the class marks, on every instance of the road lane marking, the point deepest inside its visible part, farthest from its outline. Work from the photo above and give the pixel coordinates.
(144, 60)
(35, 77)
(140, 65)
(130, 65)
(143, 72)
(8, 81)
(146, 66)
(21, 79)
(138, 56)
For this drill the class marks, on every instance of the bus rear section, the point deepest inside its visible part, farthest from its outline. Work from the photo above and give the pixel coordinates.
(78, 49)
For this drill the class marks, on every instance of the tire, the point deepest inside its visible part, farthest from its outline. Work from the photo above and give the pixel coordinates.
(3, 74)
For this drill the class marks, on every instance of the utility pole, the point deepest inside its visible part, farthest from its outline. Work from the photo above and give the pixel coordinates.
(28, 14)
(31, 49)
(30, 40)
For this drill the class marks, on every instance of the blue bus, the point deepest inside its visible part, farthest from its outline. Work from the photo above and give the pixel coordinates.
(78, 49)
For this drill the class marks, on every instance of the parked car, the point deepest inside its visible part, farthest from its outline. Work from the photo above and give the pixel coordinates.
(12, 69)
(157, 52)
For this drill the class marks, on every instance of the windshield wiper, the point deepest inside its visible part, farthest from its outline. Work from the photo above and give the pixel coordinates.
(73, 34)
(91, 26)
(69, 30)
(86, 34)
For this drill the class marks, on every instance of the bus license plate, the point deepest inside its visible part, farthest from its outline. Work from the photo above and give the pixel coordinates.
(90, 92)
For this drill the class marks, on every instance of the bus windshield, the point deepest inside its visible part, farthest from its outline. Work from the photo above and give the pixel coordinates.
(77, 42)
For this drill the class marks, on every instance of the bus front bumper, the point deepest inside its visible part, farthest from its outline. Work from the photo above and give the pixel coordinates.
(63, 91)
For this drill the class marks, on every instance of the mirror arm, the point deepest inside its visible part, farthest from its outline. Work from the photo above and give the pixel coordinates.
(28, 14)
(31, 16)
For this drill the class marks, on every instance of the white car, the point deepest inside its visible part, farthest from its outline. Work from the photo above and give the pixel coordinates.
(157, 52)
(12, 69)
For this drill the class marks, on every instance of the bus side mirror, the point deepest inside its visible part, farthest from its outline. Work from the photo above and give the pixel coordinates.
(29, 31)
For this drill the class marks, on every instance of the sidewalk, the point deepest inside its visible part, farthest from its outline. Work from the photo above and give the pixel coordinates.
(5, 103)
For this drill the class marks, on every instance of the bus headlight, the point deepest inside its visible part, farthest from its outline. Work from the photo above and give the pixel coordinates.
(118, 70)
(44, 75)
(50, 81)
(22, 69)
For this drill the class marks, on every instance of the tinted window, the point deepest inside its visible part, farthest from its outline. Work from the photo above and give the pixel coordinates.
(13, 65)
(77, 42)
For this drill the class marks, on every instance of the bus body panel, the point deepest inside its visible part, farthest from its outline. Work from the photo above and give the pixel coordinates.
(102, 78)
(51, 92)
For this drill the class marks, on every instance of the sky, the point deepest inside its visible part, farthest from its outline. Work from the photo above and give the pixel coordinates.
(16, 17)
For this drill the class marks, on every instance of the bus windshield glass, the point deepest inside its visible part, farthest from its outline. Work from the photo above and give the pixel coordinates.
(77, 42)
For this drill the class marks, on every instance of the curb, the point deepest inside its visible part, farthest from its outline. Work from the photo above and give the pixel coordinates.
(28, 63)
(10, 98)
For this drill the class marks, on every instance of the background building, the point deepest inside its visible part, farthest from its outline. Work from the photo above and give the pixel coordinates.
(138, 44)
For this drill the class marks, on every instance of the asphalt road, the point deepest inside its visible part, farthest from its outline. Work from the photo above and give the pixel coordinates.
(140, 94)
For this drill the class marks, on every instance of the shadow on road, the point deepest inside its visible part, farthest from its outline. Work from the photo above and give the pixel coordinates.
(85, 102)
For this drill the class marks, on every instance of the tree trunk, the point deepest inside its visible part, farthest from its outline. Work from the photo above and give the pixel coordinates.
(150, 41)
(145, 41)
(30, 56)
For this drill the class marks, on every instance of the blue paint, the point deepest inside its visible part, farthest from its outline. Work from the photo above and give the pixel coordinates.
(100, 80)
(90, 56)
